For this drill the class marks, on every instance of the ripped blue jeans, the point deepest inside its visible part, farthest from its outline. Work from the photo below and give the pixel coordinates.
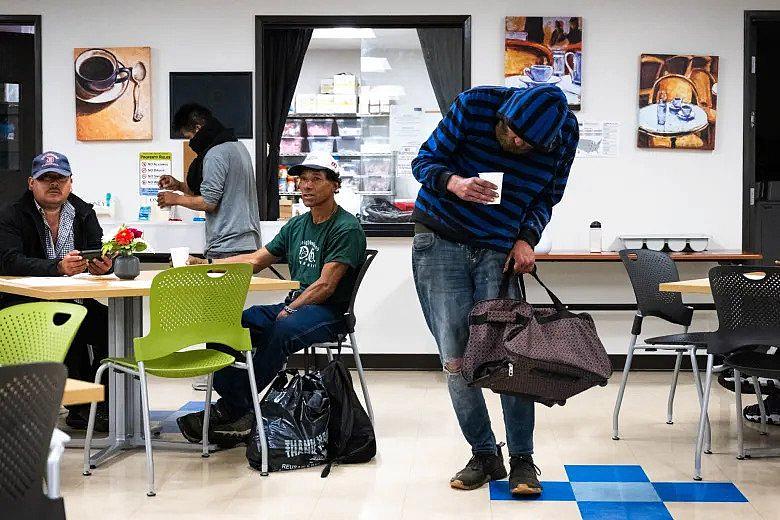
(450, 279)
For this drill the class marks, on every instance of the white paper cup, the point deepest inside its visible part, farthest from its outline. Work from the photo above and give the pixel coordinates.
(496, 178)
(179, 256)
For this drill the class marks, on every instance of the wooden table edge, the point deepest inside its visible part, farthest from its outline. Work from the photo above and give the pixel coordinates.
(687, 286)
(82, 392)
(65, 292)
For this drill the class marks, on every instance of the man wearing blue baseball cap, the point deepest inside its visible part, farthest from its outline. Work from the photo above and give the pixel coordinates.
(42, 234)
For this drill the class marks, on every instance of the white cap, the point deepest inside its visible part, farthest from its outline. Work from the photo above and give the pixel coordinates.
(316, 161)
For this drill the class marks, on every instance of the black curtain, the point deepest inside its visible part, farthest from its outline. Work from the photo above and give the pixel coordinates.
(283, 53)
(442, 48)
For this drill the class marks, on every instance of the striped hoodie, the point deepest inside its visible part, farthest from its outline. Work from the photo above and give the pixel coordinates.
(465, 144)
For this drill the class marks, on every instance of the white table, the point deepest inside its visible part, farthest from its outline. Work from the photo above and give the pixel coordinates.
(124, 323)
(673, 127)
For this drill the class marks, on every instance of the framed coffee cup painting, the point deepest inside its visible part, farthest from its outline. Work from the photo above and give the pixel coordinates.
(113, 93)
(544, 51)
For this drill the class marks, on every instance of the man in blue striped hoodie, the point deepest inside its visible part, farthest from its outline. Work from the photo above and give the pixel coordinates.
(463, 244)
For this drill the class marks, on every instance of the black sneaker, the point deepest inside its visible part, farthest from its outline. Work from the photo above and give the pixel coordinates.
(78, 418)
(230, 434)
(481, 469)
(767, 386)
(523, 476)
(772, 404)
(191, 425)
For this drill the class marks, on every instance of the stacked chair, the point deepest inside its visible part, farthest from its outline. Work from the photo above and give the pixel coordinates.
(648, 269)
(349, 333)
(34, 339)
(189, 306)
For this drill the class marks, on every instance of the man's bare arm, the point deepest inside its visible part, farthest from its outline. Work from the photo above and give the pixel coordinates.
(260, 259)
(324, 287)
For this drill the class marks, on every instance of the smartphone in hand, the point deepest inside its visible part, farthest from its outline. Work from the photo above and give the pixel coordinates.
(91, 254)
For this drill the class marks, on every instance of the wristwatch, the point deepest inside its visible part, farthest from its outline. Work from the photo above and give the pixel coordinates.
(289, 310)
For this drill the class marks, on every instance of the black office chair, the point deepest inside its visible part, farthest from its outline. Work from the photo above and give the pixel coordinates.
(30, 395)
(648, 269)
(747, 300)
(349, 333)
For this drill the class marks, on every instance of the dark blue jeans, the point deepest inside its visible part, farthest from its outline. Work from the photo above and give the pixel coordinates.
(273, 342)
(450, 279)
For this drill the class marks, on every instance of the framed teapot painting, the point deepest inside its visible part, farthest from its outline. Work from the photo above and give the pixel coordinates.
(544, 51)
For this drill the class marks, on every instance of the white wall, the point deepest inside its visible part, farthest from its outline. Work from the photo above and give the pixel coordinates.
(641, 191)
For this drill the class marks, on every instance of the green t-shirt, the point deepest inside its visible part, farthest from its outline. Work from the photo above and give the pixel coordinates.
(308, 247)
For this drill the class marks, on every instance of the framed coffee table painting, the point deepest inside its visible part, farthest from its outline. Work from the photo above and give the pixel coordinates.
(678, 101)
(113, 93)
(544, 50)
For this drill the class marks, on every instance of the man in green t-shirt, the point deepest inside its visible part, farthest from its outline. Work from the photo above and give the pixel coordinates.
(324, 249)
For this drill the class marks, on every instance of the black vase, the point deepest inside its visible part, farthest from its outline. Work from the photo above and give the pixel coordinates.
(127, 267)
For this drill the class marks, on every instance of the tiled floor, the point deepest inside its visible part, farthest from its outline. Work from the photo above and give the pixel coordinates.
(421, 447)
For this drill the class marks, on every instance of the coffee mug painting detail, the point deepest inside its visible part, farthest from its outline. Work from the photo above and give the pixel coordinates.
(678, 101)
(113, 93)
(544, 50)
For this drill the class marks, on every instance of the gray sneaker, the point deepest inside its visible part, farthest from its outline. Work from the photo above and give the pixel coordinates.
(230, 434)
(481, 469)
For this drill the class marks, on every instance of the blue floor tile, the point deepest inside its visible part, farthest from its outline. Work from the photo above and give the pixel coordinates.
(551, 491)
(159, 415)
(594, 473)
(623, 511)
(698, 492)
(615, 492)
(193, 406)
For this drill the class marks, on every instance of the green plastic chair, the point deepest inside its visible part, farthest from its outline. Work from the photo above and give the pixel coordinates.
(188, 306)
(38, 332)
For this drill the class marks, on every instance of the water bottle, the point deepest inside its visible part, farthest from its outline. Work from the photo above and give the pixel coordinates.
(595, 237)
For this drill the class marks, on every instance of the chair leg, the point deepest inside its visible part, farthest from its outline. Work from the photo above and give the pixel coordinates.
(761, 406)
(622, 389)
(258, 415)
(206, 414)
(699, 391)
(147, 429)
(740, 429)
(703, 418)
(673, 389)
(329, 352)
(91, 424)
(362, 376)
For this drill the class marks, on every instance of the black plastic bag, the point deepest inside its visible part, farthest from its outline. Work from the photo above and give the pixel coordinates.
(295, 411)
(383, 211)
(351, 437)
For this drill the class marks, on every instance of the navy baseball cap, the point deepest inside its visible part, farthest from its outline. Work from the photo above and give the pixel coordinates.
(50, 162)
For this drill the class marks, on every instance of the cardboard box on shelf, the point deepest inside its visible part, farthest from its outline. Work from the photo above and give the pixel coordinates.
(344, 83)
(285, 208)
(325, 104)
(344, 104)
(306, 103)
(326, 86)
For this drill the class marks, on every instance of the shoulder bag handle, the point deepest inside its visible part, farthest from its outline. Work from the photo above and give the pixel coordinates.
(510, 275)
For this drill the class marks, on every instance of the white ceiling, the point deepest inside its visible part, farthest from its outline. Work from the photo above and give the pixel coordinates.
(385, 39)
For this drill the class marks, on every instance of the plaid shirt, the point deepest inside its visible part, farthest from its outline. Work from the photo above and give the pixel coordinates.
(65, 242)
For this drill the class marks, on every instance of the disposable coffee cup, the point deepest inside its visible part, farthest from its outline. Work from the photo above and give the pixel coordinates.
(496, 178)
(179, 256)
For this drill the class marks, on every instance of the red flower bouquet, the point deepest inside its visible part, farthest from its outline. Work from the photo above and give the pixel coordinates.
(126, 241)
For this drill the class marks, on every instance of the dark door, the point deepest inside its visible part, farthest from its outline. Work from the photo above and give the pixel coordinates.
(761, 208)
(19, 105)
